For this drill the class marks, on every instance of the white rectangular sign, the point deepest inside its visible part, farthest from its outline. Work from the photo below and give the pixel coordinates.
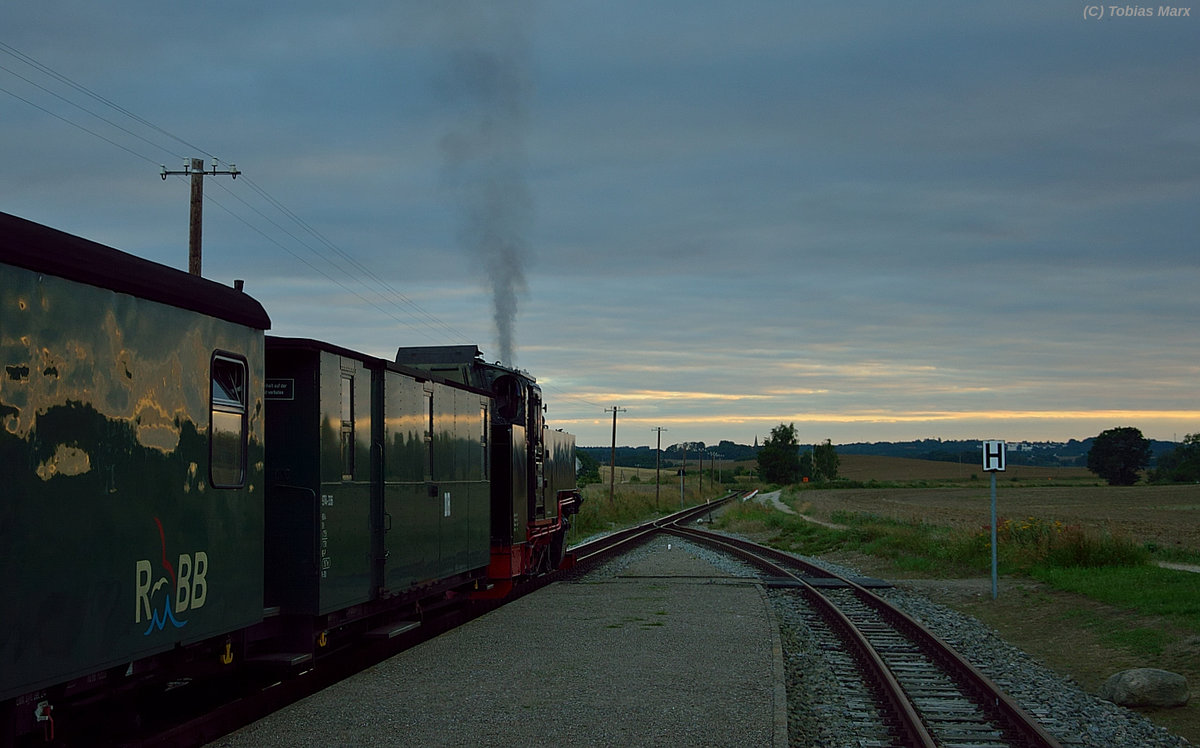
(994, 455)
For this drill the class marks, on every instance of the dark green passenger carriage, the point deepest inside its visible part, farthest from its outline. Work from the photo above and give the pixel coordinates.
(131, 444)
(378, 488)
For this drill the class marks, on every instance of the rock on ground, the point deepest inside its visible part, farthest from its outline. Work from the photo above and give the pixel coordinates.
(1146, 686)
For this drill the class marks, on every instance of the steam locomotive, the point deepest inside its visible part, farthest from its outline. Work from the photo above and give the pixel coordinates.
(182, 491)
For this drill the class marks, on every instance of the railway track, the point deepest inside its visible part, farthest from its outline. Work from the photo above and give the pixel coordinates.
(916, 691)
(593, 551)
(190, 713)
(921, 692)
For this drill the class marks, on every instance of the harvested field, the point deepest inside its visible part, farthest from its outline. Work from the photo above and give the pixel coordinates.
(874, 467)
(1166, 515)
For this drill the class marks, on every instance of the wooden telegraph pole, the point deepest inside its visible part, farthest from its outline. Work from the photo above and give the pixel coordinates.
(612, 463)
(194, 167)
(658, 465)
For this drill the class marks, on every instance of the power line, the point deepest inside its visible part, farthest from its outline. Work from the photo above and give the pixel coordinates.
(83, 109)
(77, 125)
(314, 268)
(570, 396)
(416, 308)
(389, 294)
(12, 51)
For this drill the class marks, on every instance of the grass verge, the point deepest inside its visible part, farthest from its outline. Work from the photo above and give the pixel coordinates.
(1146, 589)
(1102, 566)
(630, 505)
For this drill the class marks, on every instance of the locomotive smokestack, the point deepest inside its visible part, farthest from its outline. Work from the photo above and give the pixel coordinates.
(488, 86)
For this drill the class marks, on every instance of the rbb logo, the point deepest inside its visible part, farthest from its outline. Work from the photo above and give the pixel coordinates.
(186, 583)
(191, 588)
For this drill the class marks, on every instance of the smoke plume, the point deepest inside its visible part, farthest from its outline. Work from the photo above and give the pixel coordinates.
(487, 84)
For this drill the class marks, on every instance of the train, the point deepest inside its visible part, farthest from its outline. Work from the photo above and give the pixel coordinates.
(184, 493)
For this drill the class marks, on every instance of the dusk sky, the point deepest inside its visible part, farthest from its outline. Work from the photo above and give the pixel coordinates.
(879, 221)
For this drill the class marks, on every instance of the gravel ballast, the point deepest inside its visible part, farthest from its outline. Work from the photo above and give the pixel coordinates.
(675, 646)
(1072, 716)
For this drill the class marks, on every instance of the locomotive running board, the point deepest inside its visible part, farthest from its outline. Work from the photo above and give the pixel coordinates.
(281, 660)
(391, 631)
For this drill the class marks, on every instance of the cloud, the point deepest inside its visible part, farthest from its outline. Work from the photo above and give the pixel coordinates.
(877, 222)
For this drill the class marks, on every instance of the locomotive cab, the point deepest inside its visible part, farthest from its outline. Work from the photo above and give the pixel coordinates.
(534, 490)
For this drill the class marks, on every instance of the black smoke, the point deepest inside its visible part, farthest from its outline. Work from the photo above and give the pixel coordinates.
(487, 84)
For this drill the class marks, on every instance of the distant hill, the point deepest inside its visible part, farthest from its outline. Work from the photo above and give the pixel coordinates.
(646, 456)
(1072, 453)
(884, 468)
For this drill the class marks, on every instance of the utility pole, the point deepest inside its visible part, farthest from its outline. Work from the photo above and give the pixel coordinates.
(657, 465)
(612, 463)
(194, 167)
(683, 476)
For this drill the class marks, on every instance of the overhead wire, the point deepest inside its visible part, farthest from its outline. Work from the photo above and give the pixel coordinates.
(76, 125)
(382, 310)
(418, 316)
(413, 306)
(97, 97)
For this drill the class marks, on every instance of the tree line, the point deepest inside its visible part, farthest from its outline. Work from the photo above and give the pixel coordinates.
(647, 457)
(780, 460)
(1120, 455)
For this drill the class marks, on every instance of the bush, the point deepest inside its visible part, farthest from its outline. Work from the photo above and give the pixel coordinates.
(1036, 542)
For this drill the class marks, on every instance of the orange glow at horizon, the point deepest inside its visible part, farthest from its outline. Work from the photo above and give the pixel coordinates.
(909, 417)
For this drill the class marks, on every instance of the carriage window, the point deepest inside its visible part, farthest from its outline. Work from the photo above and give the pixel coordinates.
(227, 422)
(347, 427)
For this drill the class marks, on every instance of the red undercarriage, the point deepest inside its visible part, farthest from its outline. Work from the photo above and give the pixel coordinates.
(512, 562)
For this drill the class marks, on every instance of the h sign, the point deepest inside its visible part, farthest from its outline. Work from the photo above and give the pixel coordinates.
(993, 456)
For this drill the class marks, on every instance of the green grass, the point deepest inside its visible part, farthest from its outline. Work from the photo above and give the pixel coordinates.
(787, 532)
(1139, 640)
(1098, 565)
(972, 480)
(631, 505)
(1146, 589)
(1173, 554)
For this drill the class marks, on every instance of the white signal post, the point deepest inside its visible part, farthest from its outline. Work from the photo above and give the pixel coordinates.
(994, 459)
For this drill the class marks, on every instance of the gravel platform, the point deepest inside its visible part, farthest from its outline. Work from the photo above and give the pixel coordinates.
(658, 647)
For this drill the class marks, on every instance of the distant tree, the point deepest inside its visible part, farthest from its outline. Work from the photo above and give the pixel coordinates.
(806, 464)
(825, 461)
(779, 459)
(589, 471)
(1118, 454)
(1180, 465)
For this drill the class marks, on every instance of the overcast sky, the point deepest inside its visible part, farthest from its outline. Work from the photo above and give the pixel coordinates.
(879, 221)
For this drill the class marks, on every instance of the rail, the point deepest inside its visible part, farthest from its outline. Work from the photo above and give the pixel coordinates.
(998, 714)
